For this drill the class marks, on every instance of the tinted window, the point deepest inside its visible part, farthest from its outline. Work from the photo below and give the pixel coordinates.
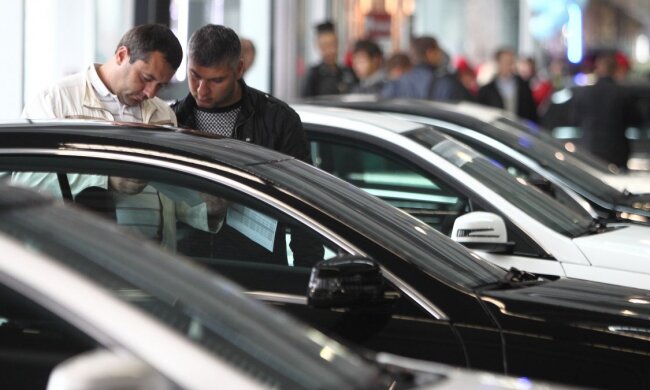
(571, 222)
(33, 341)
(402, 186)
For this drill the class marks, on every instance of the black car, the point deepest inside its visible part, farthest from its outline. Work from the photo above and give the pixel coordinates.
(528, 150)
(372, 274)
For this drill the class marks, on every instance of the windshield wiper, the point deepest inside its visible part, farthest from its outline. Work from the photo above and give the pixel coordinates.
(516, 278)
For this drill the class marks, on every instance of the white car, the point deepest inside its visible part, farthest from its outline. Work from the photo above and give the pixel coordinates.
(85, 306)
(444, 183)
(526, 150)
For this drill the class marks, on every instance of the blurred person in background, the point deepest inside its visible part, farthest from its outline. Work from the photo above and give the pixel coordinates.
(328, 77)
(467, 76)
(429, 78)
(247, 53)
(541, 87)
(604, 111)
(623, 67)
(397, 64)
(367, 62)
(507, 90)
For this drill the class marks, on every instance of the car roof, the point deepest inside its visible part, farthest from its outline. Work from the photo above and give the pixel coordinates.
(352, 119)
(67, 133)
(468, 110)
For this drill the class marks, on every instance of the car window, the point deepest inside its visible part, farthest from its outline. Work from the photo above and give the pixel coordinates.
(211, 225)
(402, 186)
(564, 220)
(33, 341)
(549, 155)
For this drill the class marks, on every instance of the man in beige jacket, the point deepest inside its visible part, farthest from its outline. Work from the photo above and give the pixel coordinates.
(122, 89)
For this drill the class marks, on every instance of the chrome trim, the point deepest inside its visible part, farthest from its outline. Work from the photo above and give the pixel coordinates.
(414, 295)
(203, 174)
(336, 239)
(277, 297)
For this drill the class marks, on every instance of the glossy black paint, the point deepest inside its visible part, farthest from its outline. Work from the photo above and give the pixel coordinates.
(566, 331)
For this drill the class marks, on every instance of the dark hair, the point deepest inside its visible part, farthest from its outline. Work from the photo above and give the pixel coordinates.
(215, 45)
(421, 45)
(369, 47)
(325, 27)
(502, 51)
(398, 60)
(145, 39)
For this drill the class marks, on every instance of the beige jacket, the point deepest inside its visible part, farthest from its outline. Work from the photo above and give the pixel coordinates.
(74, 98)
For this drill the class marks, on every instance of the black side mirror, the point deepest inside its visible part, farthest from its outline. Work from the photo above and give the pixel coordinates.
(347, 281)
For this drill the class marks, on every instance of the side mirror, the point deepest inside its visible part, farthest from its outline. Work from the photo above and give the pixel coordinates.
(103, 370)
(483, 231)
(345, 282)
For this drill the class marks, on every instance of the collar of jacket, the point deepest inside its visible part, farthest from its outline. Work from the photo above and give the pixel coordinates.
(186, 111)
(91, 101)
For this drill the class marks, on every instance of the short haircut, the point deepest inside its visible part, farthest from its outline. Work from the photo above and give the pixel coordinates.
(145, 39)
(502, 51)
(325, 27)
(421, 45)
(369, 47)
(215, 45)
(398, 60)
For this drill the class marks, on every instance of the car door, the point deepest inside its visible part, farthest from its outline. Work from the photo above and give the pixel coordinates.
(258, 241)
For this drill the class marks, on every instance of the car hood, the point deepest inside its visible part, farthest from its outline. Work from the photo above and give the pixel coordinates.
(636, 183)
(625, 247)
(575, 302)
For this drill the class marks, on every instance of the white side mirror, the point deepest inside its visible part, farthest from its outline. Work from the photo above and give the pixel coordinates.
(481, 230)
(103, 369)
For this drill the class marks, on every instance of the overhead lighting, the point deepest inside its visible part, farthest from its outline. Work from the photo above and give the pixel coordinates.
(574, 33)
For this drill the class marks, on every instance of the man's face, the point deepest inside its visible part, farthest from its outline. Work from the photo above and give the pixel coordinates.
(136, 82)
(328, 46)
(364, 65)
(506, 64)
(214, 86)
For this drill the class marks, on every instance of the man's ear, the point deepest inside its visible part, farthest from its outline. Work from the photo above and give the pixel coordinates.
(240, 69)
(122, 54)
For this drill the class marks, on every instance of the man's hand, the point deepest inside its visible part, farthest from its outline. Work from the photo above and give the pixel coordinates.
(217, 209)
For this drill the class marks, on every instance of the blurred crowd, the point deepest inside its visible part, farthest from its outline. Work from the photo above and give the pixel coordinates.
(508, 81)
(427, 71)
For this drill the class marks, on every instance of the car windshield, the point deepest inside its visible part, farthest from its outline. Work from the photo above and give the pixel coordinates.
(553, 157)
(205, 308)
(517, 191)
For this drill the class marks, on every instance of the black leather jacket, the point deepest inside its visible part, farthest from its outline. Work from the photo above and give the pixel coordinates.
(263, 120)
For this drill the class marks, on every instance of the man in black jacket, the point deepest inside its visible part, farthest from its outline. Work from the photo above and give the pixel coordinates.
(507, 90)
(221, 103)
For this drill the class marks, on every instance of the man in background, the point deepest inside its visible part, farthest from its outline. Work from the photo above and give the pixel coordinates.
(328, 77)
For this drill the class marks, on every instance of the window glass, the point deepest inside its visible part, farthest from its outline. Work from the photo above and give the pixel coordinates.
(395, 182)
(33, 341)
(211, 225)
(564, 220)
(554, 158)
